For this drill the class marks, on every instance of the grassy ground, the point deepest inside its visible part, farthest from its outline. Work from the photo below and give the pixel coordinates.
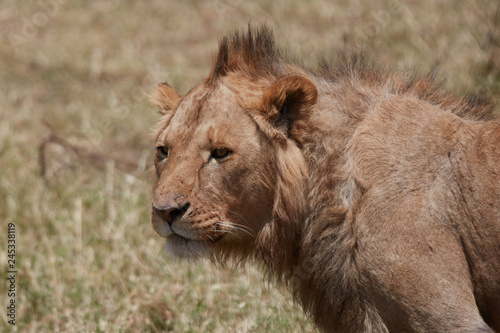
(73, 74)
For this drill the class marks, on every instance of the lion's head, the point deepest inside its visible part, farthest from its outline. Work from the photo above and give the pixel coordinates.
(228, 169)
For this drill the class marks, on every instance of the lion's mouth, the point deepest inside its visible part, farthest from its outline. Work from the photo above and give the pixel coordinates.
(186, 235)
(182, 241)
(180, 237)
(180, 246)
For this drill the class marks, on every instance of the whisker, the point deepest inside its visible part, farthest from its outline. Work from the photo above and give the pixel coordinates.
(239, 224)
(239, 215)
(239, 227)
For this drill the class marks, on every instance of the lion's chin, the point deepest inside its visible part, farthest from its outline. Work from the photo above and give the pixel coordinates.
(181, 247)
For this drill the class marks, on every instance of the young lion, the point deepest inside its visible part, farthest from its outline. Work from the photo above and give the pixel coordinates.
(374, 195)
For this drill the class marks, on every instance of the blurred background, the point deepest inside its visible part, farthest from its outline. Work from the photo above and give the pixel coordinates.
(76, 149)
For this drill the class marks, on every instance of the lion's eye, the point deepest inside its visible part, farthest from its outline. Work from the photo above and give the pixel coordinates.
(161, 153)
(220, 153)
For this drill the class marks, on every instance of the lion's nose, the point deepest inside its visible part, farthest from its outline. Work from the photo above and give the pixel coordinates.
(169, 214)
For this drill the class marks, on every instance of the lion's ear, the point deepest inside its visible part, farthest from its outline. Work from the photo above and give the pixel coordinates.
(165, 98)
(288, 99)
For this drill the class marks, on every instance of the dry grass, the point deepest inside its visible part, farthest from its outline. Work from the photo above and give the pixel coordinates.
(87, 258)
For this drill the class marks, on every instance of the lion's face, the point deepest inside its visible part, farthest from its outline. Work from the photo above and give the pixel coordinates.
(214, 173)
(229, 175)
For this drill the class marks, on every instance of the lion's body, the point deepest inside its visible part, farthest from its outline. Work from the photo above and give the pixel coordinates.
(433, 195)
(374, 196)
(426, 222)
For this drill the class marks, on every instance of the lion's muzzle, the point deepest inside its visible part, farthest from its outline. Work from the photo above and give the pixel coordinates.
(163, 217)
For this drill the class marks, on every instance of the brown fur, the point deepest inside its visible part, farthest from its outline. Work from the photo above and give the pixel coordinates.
(373, 194)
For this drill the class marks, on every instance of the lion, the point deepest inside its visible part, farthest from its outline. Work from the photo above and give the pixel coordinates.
(372, 194)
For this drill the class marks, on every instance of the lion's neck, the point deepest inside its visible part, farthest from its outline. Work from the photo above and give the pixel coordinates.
(332, 201)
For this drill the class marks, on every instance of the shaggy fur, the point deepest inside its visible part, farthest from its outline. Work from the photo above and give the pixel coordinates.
(374, 195)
